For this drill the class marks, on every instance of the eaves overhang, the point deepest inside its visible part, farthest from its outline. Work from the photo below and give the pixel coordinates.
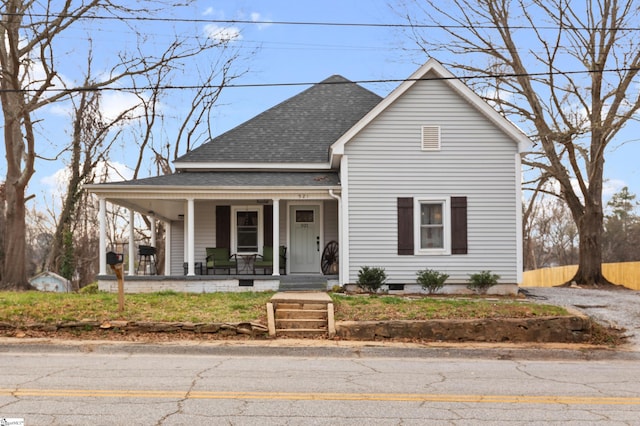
(224, 166)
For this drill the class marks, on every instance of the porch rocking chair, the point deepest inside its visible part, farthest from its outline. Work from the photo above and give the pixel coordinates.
(219, 258)
(265, 262)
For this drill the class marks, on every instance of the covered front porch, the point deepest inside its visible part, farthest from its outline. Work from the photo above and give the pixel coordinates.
(271, 236)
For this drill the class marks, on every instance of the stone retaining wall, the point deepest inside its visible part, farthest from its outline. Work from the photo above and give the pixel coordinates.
(223, 329)
(569, 329)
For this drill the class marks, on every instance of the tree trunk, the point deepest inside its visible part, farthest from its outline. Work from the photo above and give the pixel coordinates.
(15, 272)
(590, 221)
(2, 228)
(589, 272)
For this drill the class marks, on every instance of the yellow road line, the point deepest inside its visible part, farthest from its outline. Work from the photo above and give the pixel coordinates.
(302, 396)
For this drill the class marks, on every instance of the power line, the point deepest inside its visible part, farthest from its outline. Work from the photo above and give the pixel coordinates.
(293, 84)
(311, 23)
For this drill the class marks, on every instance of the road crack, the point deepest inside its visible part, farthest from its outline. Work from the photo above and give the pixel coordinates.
(187, 395)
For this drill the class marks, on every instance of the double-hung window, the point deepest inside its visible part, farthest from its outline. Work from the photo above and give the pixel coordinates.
(432, 226)
(246, 229)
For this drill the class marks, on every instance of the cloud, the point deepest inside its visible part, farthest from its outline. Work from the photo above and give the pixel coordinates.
(209, 11)
(612, 186)
(222, 34)
(56, 183)
(257, 17)
(114, 103)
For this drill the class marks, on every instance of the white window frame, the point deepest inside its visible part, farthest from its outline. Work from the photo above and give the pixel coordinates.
(234, 227)
(446, 222)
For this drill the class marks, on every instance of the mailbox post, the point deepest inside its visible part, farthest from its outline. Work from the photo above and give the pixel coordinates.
(114, 260)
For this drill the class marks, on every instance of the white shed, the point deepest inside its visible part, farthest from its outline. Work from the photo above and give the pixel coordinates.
(50, 281)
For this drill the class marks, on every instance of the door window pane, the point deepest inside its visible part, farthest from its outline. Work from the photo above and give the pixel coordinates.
(304, 216)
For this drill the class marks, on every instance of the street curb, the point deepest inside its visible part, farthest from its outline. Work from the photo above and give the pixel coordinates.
(324, 348)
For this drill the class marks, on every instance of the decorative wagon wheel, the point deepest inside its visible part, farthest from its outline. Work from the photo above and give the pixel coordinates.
(330, 258)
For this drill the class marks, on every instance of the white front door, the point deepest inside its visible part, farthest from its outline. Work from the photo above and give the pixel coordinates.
(304, 253)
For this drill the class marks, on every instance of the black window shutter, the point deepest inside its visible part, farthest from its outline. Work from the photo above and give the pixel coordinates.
(458, 225)
(268, 225)
(223, 226)
(405, 226)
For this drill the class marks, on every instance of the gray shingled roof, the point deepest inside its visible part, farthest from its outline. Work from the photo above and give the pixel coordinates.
(238, 179)
(300, 129)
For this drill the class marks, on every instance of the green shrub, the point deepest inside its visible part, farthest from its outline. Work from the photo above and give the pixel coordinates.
(371, 279)
(431, 280)
(89, 289)
(481, 282)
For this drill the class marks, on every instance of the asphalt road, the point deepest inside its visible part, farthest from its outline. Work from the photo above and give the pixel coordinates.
(146, 385)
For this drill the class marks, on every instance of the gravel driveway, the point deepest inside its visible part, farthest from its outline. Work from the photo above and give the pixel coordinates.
(619, 308)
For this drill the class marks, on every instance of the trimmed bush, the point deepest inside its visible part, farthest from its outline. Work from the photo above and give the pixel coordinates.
(90, 289)
(482, 281)
(371, 279)
(431, 280)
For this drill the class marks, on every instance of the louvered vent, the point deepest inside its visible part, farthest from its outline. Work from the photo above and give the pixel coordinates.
(430, 138)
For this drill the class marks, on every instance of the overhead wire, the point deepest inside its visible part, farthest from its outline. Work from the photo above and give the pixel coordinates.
(308, 23)
(292, 84)
(296, 23)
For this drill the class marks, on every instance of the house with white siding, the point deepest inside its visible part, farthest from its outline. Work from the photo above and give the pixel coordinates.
(331, 180)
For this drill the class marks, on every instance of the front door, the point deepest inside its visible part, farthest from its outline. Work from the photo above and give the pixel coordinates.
(304, 253)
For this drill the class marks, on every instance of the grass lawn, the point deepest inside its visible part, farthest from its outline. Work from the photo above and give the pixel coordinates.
(37, 307)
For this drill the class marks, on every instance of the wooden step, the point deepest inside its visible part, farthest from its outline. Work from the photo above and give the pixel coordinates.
(301, 332)
(298, 323)
(301, 306)
(300, 315)
(297, 313)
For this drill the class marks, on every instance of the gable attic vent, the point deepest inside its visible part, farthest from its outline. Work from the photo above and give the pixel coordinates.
(430, 138)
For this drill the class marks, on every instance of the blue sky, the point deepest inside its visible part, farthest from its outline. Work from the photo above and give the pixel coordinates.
(287, 54)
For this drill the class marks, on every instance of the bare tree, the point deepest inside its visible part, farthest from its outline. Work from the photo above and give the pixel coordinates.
(29, 31)
(622, 228)
(568, 71)
(552, 236)
(91, 141)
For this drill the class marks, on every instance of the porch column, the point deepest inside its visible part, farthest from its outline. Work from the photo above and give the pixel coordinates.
(167, 248)
(102, 252)
(276, 237)
(344, 226)
(132, 244)
(338, 198)
(153, 231)
(191, 237)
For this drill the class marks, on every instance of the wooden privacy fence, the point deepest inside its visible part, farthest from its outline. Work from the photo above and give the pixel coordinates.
(626, 274)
